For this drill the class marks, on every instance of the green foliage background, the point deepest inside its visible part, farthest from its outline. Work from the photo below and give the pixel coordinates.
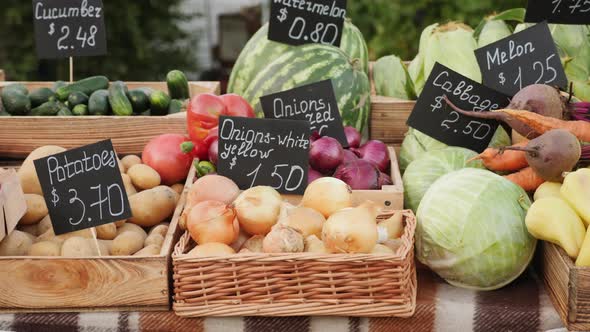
(394, 26)
(143, 38)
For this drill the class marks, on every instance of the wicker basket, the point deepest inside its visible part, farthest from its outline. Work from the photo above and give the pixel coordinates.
(297, 284)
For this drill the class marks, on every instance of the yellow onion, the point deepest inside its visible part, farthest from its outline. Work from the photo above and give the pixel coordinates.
(258, 209)
(352, 230)
(327, 195)
(283, 239)
(212, 221)
(305, 220)
(211, 249)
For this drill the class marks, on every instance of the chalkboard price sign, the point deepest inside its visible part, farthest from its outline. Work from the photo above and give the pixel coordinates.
(65, 28)
(432, 116)
(83, 187)
(298, 22)
(267, 152)
(314, 102)
(559, 11)
(524, 58)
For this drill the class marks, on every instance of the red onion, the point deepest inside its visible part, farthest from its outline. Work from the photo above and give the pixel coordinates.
(349, 156)
(352, 136)
(375, 152)
(359, 175)
(314, 136)
(384, 180)
(213, 152)
(313, 175)
(325, 154)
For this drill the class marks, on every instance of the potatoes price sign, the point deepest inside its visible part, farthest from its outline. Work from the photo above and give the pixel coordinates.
(83, 187)
(65, 28)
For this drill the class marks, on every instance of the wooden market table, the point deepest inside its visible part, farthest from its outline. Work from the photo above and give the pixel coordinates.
(521, 306)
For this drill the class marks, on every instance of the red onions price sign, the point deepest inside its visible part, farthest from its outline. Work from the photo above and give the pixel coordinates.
(298, 22)
(559, 11)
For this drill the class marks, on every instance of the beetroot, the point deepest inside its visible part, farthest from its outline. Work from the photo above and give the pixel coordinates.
(541, 99)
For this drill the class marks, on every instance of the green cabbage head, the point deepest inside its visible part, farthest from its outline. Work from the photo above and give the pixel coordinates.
(471, 229)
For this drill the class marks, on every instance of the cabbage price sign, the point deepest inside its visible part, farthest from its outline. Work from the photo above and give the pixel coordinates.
(66, 28)
(298, 22)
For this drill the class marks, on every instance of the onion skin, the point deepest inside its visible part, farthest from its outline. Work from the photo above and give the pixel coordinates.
(258, 209)
(349, 156)
(359, 175)
(353, 137)
(253, 244)
(283, 239)
(325, 154)
(304, 220)
(313, 175)
(213, 151)
(376, 152)
(212, 188)
(212, 221)
(384, 180)
(351, 230)
(211, 249)
(327, 195)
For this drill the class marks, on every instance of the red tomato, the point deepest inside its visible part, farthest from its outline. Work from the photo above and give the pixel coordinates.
(165, 154)
(237, 106)
(203, 114)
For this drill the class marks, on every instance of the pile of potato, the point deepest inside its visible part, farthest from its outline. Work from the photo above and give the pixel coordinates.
(143, 234)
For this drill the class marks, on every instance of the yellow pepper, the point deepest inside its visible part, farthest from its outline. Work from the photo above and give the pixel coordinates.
(547, 189)
(552, 219)
(576, 191)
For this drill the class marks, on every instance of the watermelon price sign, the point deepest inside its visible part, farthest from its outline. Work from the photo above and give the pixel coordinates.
(315, 103)
(524, 58)
(298, 22)
(432, 116)
(66, 28)
(559, 11)
(264, 152)
(83, 187)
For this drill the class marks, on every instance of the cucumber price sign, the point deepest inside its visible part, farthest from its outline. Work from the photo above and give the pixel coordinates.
(83, 187)
(264, 152)
(298, 22)
(67, 28)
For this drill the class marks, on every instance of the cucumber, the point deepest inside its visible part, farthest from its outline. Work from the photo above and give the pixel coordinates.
(139, 100)
(87, 86)
(80, 109)
(64, 110)
(58, 84)
(47, 108)
(159, 103)
(16, 87)
(148, 91)
(98, 104)
(177, 85)
(40, 96)
(176, 106)
(2, 110)
(120, 104)
(144, 113)
(76, 98)
(15, 102)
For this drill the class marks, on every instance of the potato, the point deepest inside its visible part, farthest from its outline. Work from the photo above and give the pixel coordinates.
(16, 243)
(151, 250)
(44, 225)
(129, 188)
(152, 206)
(45, 248)
(77, 246)
(29, 229)
(106, 246)
(122, 167)
(50, 235)
(132, 228)
(36, 209)
(130, 160)
(178, 187)
(144, 177)
(161, 228)
(156, 239)
(106, 231)
(27, 173)
(126, 243)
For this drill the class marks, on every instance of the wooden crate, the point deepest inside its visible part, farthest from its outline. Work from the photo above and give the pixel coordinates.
(19, 135)
(388, 116)
(568, 286)
(113, 283)
(2, 77)
(391, 197)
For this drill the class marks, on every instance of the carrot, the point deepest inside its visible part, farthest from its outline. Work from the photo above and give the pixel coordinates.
(500, 160)
(526, 178)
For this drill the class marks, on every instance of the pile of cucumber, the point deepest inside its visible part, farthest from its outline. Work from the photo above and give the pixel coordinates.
(94, 96)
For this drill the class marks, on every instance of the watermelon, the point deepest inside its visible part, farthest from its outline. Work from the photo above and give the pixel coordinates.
(259, 51)
(311, 63)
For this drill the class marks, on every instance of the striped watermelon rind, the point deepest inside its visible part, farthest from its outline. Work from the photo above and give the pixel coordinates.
(311, 63)
(354, 45)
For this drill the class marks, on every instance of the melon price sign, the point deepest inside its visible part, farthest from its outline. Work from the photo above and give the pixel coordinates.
(83, 187)
(559, 11)
(432, 116)
(298, 22)
(264, 152)
(67, 28)
(315, 103)
(524, 58)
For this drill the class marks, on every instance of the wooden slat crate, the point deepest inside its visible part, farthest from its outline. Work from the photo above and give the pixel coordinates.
(113, 283)
(568, 286)
(19, 135)
(2, 77)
